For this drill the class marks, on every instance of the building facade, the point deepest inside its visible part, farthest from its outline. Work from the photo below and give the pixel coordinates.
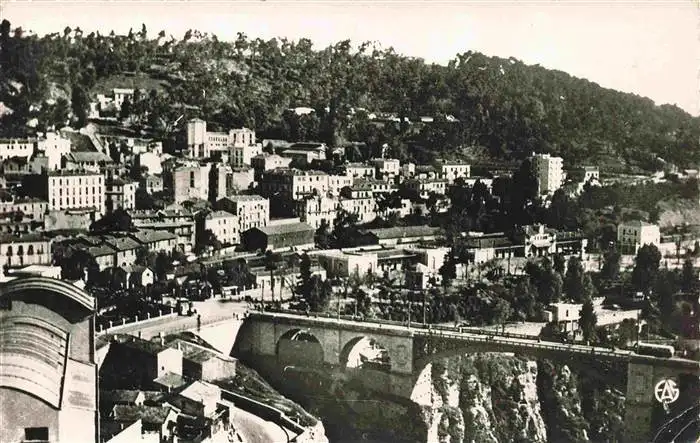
(549, 172)
(120, 194)
(76, 190)
(224, 226)
(24, 250)
(634, 234)
(253, 211)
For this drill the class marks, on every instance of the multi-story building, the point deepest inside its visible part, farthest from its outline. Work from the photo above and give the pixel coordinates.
(16, 147)
(24, 250)
(76, 190)
(238, 143)
(54, 148)
(242, 155)
(189, 182)
(338, 182)
(152, 183)
(242, 178)
(549, 172)
(155, 241)
(120, 193)
(292, 184)
(87, 161)
(267, 162)
(632, 235)
(253, 211)
(386, 168)
(359, 201)
(313, 151)
(224, 226)
(408, 170)
(315, 210)
(452, 170)
(178, 221)
(32, 208)
(591, 174)
(377, 186)
(426, 186)
(121, 95)
(359, 170)
(125, 250)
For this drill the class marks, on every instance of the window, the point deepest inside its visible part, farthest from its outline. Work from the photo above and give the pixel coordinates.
(36, 434)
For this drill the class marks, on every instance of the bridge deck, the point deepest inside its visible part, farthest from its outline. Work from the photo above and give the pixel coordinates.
(512, 342)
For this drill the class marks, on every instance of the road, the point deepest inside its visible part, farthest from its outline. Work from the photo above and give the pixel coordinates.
(254, 429)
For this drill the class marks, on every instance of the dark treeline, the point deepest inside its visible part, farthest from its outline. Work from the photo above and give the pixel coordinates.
(508, 108)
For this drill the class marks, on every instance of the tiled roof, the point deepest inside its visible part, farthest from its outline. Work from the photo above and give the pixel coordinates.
(405, 231)
(170, 380)
(123, 243)
(100, 251)
(285, 228)
(153, 415)
(24, 238)
(146, 237)
(124, 396)
(219, 214)
(88, 157)
(243, 198)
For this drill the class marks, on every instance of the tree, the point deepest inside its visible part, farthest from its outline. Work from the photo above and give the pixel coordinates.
(588, 319)
(646, 268)
(116, 221)
(206, 240)
(501, 311)
(611, 265)
(304, 284)
(573, 281)
(163, 265)
(448, 270)
(319, 294)
(80, 104)
(689, 277)
(559, 263)
(125, 110)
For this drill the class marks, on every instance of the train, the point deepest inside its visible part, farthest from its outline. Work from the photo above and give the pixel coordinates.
(664, 351)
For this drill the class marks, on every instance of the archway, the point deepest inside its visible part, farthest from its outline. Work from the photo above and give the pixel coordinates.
(299, 347)
(365, 353)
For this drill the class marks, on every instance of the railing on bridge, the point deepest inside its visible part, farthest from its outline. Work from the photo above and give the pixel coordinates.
(494, 337)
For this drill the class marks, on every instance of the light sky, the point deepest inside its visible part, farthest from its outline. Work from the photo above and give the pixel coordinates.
(648, 48)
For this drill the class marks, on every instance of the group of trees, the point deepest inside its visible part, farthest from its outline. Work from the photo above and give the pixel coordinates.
(501, 104)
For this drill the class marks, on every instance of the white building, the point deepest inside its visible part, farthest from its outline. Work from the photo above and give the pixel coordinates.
(386, 168)
(253, 211)
(54, 147)
(452, 170)
(339, 263)
(549, 172)
(120, 95)
(76, 190)
(359, 170)
(150, 160)
(224, 226)
(120, 194)
(16, 147)
(632, 235)
(238, 143)
(566, 315)
(314, 210)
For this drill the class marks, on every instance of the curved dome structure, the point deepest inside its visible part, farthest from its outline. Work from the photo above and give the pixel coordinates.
(48, 375)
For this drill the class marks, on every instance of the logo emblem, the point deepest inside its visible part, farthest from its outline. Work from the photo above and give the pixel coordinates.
(666, 391)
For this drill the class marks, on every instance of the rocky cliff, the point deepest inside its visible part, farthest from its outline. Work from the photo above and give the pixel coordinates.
(500, 398)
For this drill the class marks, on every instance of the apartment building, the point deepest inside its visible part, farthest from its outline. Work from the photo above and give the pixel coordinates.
(632, 235)
(239, 143)
(32, 208)
(152, 183)
(386, 168)
(120, 194)
(191, 181)
(224, 226)
(76, 190)
(253, 211)
(360, 201)
(338, 182)
(359, 170)
(267, 162)
(16, 147)
(54, 147)
(452, 170)
(549, 172)
(426, 186)
(315, 210)
(24, 250)
(292, 184)
(87, 161)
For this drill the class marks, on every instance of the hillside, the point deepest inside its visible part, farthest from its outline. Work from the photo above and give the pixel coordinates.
(503, 105)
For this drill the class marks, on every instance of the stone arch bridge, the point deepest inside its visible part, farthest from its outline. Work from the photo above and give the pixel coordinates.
(328, 342)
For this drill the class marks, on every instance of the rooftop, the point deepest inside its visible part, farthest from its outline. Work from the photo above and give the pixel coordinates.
(200, 391)
(285, 228)
(122, 243)
(100, 251)
(24, 238)
(153, 415)
(88, 157)
(219, 214)
(171, 380)
(405, 231)
(243, 198)
(152, 236)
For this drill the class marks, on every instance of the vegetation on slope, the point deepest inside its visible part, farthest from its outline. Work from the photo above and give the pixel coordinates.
(503, 105)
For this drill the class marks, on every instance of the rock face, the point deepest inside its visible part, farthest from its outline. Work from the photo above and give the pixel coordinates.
(499, 398)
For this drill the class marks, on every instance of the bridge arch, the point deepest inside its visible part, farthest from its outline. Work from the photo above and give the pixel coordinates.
(365, 352)
(299, 347)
